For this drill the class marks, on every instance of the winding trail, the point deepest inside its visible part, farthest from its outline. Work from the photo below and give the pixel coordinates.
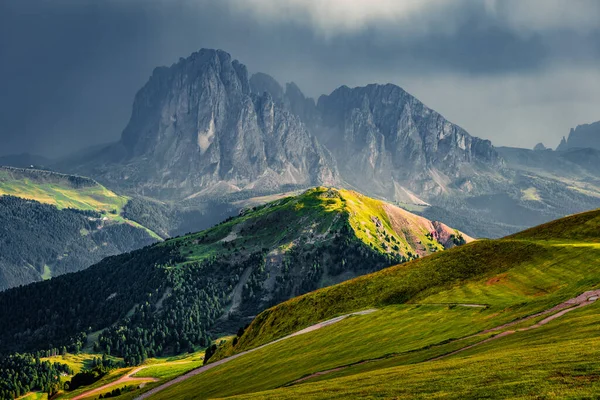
(200, 370)
(582, 300)
(124, 379)
(557, 311)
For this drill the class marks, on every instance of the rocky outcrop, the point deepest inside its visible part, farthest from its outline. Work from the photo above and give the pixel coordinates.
(540, 147)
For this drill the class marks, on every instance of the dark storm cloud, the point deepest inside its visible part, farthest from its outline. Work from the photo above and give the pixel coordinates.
(69, 69)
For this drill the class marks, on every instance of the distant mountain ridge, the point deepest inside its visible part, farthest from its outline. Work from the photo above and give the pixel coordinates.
(203, 130)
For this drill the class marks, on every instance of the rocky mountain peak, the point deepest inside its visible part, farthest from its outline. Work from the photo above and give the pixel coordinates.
(383, 135)
(203, 127)
(199, 125)
(261, 82)
(562, 146)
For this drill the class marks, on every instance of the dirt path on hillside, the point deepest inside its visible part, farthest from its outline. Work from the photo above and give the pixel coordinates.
(452, 304)
(127, 378)
(124, 379)
(558, 311)
(582, 300)
(226, 360)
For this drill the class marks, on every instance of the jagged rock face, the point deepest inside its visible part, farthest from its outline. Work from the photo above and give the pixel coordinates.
(562, 146)
(583, 136)
(196, 127)
(298, 104)
(385, 138)
(292, 98)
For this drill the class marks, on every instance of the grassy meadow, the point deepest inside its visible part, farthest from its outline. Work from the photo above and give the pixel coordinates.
(556, 361)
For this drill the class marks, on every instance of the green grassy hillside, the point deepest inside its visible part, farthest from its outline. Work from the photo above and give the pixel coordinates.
(429, 308)
(557, 361)
(312, 240)
(174, 296)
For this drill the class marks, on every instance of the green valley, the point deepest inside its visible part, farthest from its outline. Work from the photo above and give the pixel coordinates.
(62, 191)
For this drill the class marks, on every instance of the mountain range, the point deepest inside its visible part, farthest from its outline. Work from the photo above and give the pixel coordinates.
(282, 243)
(206, 139)
(203, 130)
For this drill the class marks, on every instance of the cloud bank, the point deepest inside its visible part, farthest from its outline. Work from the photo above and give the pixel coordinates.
(514, 71)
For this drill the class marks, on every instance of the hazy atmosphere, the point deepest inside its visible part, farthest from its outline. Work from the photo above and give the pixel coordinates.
(515, 72)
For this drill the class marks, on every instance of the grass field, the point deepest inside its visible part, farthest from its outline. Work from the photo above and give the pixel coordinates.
(557, 361)
(77, 362)
(169, 368)
(163, 369)
(423, 308)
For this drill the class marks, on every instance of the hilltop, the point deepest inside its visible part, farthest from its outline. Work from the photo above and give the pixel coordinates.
(55, 223)
(492, 311)
(172, 296)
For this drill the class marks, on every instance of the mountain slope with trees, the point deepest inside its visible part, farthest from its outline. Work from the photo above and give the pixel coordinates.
(172, 296)
(52, 224)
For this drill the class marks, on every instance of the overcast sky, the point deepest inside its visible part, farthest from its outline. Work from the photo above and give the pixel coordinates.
(514, 71)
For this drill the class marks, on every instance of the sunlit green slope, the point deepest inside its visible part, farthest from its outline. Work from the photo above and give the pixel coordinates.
(429, 308)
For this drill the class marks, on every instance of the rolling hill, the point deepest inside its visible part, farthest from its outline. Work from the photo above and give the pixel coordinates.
(54, 223)
(173, 296)
(514, 317)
